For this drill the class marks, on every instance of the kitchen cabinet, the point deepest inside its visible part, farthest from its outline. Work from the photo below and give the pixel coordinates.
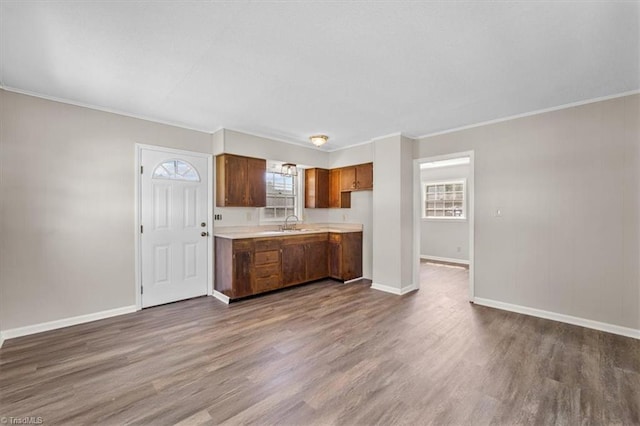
(234, 267)
(356, 178)
(267, 265)
(248, 266)
(304, 258)
(240, 181)
(293, 264)
(316, 188)
(316, 260)
(364, 176)
(348, 178)
(345, 255)
(332, 188)
(337, 198)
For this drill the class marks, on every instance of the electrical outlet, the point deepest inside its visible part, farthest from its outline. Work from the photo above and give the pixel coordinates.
(217, 217)
(498, 213)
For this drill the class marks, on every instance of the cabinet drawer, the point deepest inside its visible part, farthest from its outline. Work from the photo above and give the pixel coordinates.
(267, 270)
(267, 283)
(242, 244)
(271, 256)
(304, 239)
(267, 244)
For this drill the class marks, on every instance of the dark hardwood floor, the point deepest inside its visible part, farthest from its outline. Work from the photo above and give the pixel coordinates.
(325, 353)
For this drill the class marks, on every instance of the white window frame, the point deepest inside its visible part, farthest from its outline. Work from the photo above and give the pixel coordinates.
(445, 218)
(298, 198)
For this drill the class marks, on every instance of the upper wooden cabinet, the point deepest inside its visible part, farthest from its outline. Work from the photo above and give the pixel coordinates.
(332, 188)
(356, 178)
(337, 198)
(316, 188)
(240, 181)
(364, 177)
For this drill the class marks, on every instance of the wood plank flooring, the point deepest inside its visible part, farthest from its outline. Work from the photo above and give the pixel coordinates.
(325, 353)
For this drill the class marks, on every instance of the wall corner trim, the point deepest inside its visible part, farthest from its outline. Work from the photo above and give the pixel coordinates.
(221, 297)
(568, 319)
(394, 290)
(66, 322)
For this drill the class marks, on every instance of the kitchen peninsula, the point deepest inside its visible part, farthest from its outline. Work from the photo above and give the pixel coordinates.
(254, 260)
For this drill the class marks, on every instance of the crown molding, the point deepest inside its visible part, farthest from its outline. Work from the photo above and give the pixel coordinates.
(300, 144)
(103, 109)
(531, 113)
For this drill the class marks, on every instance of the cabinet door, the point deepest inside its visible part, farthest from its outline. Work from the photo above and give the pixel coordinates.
(242, 273)
(322, 188)
(316, 259)
(347, 178)
(257, 186)
(335, 260)
(235, 180)
(293, 264)
(334, 188)
(351, 255)
(316, 188)
(364, 176)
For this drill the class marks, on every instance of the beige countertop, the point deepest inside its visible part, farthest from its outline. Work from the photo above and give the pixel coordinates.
(238, 232)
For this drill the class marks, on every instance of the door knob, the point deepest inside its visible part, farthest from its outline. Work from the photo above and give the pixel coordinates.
(204, 234)
(203, 224)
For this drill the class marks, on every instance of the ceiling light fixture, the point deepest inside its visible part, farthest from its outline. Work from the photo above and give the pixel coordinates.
(319, 140)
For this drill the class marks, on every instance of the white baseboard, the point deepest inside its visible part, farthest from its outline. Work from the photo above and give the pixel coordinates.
(1, 339)
(596, 325)
(444, 259)
(66, 322)
(351, 281)
(394, 290)
(221, 297)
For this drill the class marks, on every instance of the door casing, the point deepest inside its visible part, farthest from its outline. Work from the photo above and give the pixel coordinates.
(417, 214)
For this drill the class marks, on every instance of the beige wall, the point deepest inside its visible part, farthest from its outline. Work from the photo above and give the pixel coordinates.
(392, 207)
(67, 207)
(361, 210)
(567, 183)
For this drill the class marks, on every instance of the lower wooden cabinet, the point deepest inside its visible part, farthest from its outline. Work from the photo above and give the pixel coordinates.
(345, 255)
(234, 265)
(248, 266)
(316, 260)
(293, 264)
(267, 265)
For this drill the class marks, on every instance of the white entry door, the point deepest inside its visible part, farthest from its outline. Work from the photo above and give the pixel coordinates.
(175, 228)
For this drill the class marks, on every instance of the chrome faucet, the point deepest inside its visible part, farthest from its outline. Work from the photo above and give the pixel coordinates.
(286, 226)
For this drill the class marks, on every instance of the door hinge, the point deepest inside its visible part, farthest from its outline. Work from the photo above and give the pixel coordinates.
(141, 169)
(141, 229)
(141, 290)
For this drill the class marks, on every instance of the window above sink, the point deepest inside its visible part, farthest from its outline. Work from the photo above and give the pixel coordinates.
(284, 193)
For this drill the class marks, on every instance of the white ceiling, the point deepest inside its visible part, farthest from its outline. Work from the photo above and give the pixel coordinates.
(290, 69)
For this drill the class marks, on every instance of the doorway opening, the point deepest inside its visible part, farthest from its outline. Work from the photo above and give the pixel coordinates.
(444, 217)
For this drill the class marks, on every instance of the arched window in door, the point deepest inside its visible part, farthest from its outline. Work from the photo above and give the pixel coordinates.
(176, 170)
